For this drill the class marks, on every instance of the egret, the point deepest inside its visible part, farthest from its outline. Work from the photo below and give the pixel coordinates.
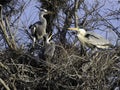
(91, 39)
(38, 29)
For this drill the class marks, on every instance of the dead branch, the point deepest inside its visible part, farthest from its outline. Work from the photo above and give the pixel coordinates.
(4, 84)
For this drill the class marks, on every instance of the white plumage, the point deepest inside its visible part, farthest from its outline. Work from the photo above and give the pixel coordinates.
(91, 39)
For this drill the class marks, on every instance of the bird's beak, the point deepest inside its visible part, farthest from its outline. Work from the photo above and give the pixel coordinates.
(50, 37)
(49, 12)
(75, 29)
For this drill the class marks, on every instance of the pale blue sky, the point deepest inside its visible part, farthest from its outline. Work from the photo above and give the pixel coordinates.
(30, 15)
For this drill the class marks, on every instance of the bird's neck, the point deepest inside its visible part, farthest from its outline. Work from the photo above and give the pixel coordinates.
(41, 15)
(42, 19)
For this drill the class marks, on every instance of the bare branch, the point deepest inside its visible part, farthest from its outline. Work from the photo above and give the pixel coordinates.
(4, 84)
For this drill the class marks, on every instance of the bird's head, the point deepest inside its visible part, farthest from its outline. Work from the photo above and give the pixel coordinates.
(43, 11)
(78, 30)
(47, 38)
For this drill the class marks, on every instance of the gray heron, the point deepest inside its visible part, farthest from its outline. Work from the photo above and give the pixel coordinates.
(49, 46)
(49, 49)
(38, 29)
(91, 39)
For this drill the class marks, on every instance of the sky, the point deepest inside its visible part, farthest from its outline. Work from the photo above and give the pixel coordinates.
(30, 16)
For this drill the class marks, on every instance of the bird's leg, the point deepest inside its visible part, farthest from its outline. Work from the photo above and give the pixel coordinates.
(93, 51)
(83, 50)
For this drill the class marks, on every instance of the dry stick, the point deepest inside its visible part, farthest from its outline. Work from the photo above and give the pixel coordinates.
(2, 82)
(12, 37)
(75, 14)
(3, 28)
(3, 66)
(5, 35)
(76, 7)
(0, 12)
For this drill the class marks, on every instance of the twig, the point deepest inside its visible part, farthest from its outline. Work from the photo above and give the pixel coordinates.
(2, 82)
(2, 65)
(0, 12)
(111, 26)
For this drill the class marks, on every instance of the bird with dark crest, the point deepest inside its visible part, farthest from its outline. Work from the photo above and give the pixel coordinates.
(38, 29)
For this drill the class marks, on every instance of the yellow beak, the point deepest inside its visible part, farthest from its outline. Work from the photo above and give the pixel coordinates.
(76, 29)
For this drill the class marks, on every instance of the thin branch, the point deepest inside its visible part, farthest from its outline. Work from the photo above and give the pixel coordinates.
(4, 84)
(76, 16)
(0, 12)
(110, 25)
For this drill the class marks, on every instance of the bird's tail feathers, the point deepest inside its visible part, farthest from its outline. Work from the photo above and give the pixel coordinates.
(109, 45)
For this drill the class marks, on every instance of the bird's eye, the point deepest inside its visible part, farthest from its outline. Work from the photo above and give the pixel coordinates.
(45, 10)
